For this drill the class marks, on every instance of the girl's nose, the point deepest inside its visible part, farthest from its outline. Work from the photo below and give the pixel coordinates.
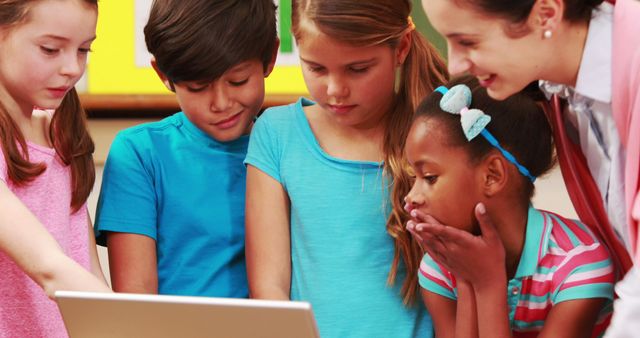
(72, 66)
(336, 87)
(413, 200)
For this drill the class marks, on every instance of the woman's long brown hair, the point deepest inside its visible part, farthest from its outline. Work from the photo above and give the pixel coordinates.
(377, 22)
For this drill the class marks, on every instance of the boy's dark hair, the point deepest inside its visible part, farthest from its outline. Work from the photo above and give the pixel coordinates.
(199, 40)
(518, 123)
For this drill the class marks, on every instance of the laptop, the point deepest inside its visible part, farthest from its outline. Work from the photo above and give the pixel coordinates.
(120, 315)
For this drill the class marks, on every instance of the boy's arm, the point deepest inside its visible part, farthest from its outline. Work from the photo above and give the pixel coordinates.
(27, 242)
(126, 216)
(268, 248)
(132, 263)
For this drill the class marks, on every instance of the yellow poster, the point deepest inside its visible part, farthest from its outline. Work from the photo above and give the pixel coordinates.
(119, 62)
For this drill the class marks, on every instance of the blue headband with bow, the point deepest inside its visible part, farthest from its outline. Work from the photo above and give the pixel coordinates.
(457, 101)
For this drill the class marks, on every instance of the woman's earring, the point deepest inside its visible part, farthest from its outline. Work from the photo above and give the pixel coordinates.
(547, 34)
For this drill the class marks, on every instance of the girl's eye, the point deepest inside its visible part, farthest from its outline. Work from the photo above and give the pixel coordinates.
(48, 51)
(239, 83)
(359, 69)
(431, 179)
(84, 50)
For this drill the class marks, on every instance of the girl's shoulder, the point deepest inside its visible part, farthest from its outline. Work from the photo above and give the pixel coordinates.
(285, 116)
(285, 112)
(568, 233)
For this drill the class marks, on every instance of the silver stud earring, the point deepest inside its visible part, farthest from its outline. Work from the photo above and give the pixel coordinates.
(547, 34)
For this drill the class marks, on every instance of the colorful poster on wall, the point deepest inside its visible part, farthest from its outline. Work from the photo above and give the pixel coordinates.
(119, 63)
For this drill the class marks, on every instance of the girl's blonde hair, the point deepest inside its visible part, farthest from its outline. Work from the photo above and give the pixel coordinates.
(372, 23)
(68, 129)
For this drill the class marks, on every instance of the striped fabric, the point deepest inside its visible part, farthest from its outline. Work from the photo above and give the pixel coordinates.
(561, 260)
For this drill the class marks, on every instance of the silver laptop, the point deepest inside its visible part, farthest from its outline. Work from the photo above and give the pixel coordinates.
(119, 315)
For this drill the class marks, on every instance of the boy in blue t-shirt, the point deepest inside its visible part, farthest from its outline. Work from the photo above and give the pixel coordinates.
(171, 207)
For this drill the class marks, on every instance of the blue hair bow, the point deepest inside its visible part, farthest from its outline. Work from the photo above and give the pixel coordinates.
(474, 121)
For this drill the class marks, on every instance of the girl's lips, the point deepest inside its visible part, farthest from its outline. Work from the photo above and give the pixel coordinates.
(58, 92)
(341, 109)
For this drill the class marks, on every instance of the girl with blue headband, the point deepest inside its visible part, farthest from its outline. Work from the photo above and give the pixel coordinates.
(527, 272)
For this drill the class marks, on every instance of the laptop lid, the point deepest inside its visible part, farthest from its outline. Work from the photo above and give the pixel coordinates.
(119, 315)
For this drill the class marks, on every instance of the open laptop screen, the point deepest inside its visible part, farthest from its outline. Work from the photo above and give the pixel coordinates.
(115, 315)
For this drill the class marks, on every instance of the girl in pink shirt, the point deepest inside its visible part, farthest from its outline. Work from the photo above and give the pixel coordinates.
(46, 167)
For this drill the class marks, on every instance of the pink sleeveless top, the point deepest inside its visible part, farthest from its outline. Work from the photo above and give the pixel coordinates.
(25, 309)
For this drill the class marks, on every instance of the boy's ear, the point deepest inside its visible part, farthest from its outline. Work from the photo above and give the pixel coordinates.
(165, 80)
(494, 174)
(546, 15)
(404, 47)
(274, 56)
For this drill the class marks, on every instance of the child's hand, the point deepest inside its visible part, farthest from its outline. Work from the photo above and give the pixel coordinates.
(425, 239)
(420, 236)
(477, 259)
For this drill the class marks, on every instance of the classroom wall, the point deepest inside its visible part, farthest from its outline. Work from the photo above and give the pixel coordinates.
(423, 25)
(120, 63)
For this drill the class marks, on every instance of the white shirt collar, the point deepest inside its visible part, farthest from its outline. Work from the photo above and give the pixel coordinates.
(594, 75)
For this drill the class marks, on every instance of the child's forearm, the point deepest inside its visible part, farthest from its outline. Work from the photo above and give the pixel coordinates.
(492, 310)
(63, 273)
(96, 268)
(28, 243)
(466, 316)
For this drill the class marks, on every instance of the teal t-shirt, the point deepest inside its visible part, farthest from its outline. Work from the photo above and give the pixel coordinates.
(174, 183)
(340, 251)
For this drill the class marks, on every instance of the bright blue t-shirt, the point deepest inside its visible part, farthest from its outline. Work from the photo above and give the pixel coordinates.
(174, 183)
(340, 250)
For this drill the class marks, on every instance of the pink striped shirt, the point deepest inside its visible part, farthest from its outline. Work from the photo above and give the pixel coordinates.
(25, 310)
(561, 260)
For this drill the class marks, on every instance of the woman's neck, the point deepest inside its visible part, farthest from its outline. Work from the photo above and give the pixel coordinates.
(568, 45)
